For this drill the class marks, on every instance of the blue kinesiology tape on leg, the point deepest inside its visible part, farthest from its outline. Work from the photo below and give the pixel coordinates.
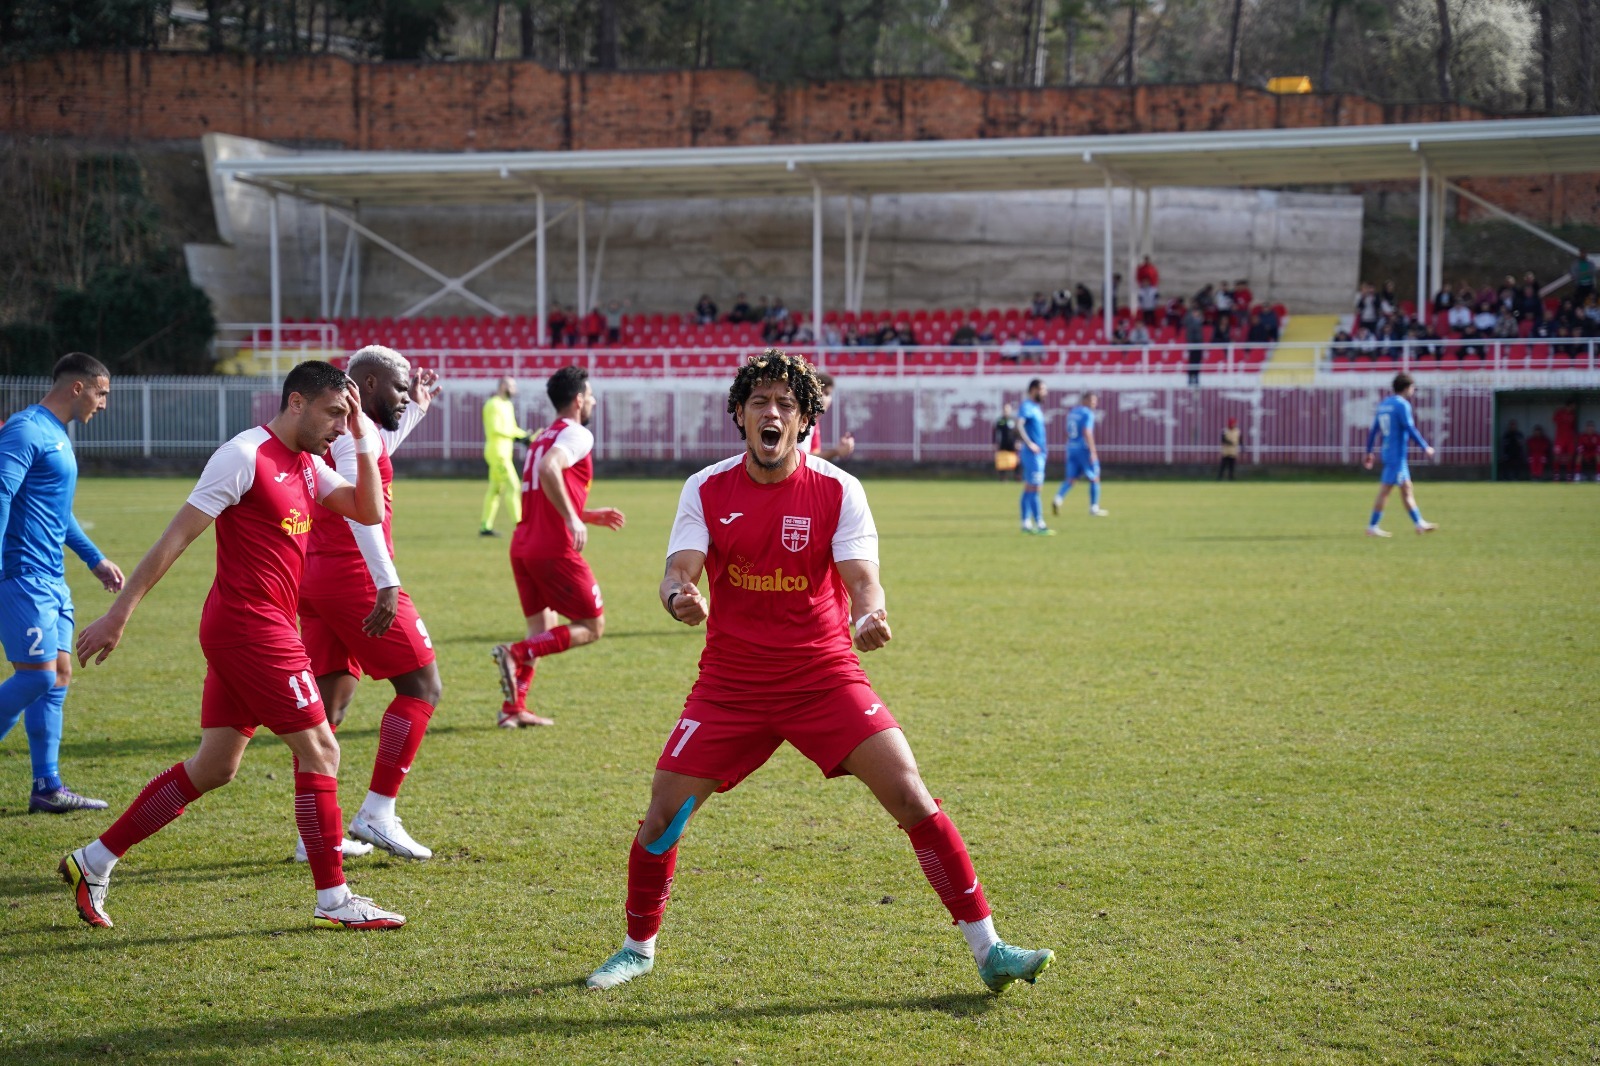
(663, 844)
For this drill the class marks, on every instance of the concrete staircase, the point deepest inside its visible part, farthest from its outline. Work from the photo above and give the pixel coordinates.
(1297, 366)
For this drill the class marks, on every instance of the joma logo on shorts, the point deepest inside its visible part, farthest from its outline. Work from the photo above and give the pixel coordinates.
(773, 582)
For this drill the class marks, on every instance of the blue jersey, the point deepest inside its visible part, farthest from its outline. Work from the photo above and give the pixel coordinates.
(1397, 428)
(38, 475)
(1080, 421)
(1030, 419)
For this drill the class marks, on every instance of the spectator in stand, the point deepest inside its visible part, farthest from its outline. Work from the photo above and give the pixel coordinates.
(1149, 281)
(613, 322)
(1011, 350)
(1484, 317)
(1565, 451)
(885, 336)
(1194, 334)
(849, 338)
(1388, 299)
(594, 327)
(1367, 308)
(705, 311)
(1032, 344)
(1485, 295)
(905, 336)
(1366, 342)
(757, 315)
(557, 322)
(1424, 342)
(801, 335)
(1243, 298)
(1472, 346)
(1530, 305)
(1538, 453)
(1513, 454)
(1147, 274)
(1119, 332)
(1270, 323)
(1061, 304)
(831, 335)
(1506, 327)
(1176, 309)
(1084, 299)
(1230, 449)
(1588, 452)
(1582, 273)
(1005, 443)
(986, 332)
(1507, 295)
(1139, 334)
(1443, 300)
(1459, 316)
(1205, 301)
(1115, 299)
(1043, 306)
(741, 310)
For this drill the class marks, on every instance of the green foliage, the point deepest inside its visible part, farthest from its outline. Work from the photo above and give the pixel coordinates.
(31, 26)
(1273, 791)
(401, 29)
(137, 322)
(27, 349)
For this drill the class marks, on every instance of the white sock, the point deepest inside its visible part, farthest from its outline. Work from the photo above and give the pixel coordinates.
(1027, 524)
(980, 937)
(647, 948)
(329, 898)
(378, 808)
(98, 859)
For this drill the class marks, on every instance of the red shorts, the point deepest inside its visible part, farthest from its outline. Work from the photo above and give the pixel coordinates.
(267, 683)
(728, 743)
(331, 629)
(563, 583)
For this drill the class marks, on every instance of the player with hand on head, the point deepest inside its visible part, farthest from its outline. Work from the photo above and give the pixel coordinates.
(1033, 451)
(259, 489)
(1082, 458)
(354, 616)
(790, 551)
(547, 547)
(847, 441)
(1397, 427)
(38, 477)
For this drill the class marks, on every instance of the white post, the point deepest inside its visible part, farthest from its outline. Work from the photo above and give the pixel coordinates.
(583, 255)
(1128, 286)
(1424, 194)
(355, 265)
(1105, 257)
(222, 413)
(1145, 240)
(1436, 260)
(144, 406)
(277, 295)
(849, 251)
(322, 243)
(816, 263)
(861, 268)
(539, 282)
(600, 256)
(344, 270)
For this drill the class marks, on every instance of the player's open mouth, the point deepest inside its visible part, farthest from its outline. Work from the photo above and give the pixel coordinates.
(770, 436)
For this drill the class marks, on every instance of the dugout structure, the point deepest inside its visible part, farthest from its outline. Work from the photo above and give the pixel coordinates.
(1533, 407)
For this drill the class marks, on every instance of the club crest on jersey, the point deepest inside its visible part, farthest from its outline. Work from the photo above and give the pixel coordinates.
(296, 524)
(796, 532)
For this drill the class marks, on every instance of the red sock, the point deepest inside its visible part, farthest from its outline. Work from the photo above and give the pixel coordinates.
(550, 642)
(161, 801)
(316, 812)
(649, 885)
(943, 855)
(399, 737)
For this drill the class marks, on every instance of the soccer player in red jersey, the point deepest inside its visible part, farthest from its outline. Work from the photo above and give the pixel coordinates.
(792, 555)
(259, 489)
(547, 547)
(1565, 420)
(847, 441)
(354, 616)
(1589, 451)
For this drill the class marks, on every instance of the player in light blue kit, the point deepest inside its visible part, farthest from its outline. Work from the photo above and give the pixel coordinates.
(38, 474)
(1398, 429)
(1082, 458)
(1031, 449)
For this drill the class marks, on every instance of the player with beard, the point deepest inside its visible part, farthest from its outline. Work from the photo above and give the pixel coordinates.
(547, 547)
(792, 555)
(357, 619)
(259, 489)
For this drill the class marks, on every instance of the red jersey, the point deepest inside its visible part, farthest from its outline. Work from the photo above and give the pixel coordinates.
(339, 546)
(261, 494)
(542, 532)
(1589, 444)
(780, 615)
(1539, 447)
(1147, 274)
(1565, 421)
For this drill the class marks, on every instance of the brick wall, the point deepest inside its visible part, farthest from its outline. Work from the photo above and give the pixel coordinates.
(514, 105)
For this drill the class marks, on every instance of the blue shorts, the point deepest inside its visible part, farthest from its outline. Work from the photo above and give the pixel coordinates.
(1032, 467)
(1394, 473)
(35, 618)
(1078, 465)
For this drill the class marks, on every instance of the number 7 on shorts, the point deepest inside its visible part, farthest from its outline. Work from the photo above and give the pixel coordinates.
(688, 725)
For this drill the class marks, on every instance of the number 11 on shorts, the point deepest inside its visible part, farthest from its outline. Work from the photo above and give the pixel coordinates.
(310, 695)
(688, 725)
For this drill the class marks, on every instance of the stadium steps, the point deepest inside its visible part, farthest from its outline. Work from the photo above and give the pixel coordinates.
(1298, 366)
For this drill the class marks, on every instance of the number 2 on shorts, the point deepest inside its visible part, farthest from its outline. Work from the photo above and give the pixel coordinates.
(303, 699)
(688, 725)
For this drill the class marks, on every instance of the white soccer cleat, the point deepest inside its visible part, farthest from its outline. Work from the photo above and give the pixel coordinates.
(1374, 531)
(353, 849)
(389, 835)
(356, 912)
(1099, 512)
(1426, 527)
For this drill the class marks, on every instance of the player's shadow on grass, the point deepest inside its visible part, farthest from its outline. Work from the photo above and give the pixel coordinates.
(662, 632)
(91, 747)
(100, 940)
(422, 1023)
(1262, 538)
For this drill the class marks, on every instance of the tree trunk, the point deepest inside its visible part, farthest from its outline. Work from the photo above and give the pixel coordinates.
(607, 55)
(1325, 78)
(1072, 52)
(1547, 56)
(525, 27)
(213, 25)
(1443, 60)
(1133, 41)
(494, 29)
(1586, 60)
(1234, 51)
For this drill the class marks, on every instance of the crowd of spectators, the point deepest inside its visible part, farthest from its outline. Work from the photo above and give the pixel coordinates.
(1537, 456)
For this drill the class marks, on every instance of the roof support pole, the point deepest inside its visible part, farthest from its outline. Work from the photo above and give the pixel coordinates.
(1128, 287)
(816, 263)
(539, 270)
(322, 245)
(849, 251)
(1436, 258)
(1105, 262)
(276, 287)
(583, 256)
(344, 270)
(355, 263)
(861, 265)
(600, 256)
(1551, 238)
(1424, 197)
(1146, 244)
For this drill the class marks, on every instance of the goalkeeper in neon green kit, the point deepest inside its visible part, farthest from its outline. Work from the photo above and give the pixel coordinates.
(500, 430)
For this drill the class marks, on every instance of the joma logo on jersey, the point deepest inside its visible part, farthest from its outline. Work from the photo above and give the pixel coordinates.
(777, 581)
(796, 532)
(296, 524)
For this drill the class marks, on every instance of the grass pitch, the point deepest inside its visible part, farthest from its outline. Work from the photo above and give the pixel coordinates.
(1274, 792)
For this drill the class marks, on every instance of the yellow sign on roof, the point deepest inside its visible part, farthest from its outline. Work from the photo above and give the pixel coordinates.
(1289, 86)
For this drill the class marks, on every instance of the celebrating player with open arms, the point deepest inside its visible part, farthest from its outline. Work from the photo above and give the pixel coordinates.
(792, 556)
(259, 489)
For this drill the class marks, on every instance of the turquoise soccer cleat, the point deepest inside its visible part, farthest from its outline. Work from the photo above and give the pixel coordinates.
(1006, 964)
(620, 968)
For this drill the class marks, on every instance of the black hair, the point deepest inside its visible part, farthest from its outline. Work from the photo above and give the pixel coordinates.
(311, 379)
(79, 365)
(776, 365)
(1402, 382)
(566, 385)
(1034, 384)
(825, 379)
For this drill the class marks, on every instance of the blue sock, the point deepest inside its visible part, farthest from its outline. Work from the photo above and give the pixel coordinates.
(43, 722)
(19, 691)
(1066, 487)
(1416, 515)
(1038, 508)
(1377, 516)
(1094, 495)
(1027, 512)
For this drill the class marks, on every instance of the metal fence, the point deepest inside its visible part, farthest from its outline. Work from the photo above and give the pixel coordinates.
(933, 419)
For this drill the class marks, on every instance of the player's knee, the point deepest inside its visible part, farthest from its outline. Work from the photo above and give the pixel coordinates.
(662, 827)
(209, 774)
(422, 684)
(596, 626)
(908, 800)
(29, 685)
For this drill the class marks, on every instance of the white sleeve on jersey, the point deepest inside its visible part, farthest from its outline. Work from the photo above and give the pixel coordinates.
(575, 440)
(228, 475)
(689, 531)
(856, 536)
(393, 438)
(368, 538)
(328, 478)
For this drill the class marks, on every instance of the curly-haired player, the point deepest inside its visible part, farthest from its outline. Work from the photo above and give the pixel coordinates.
(793, 556)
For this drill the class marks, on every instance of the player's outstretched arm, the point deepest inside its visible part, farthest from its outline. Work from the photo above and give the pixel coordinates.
(866, 603)
(680, 587)
(101, 637)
